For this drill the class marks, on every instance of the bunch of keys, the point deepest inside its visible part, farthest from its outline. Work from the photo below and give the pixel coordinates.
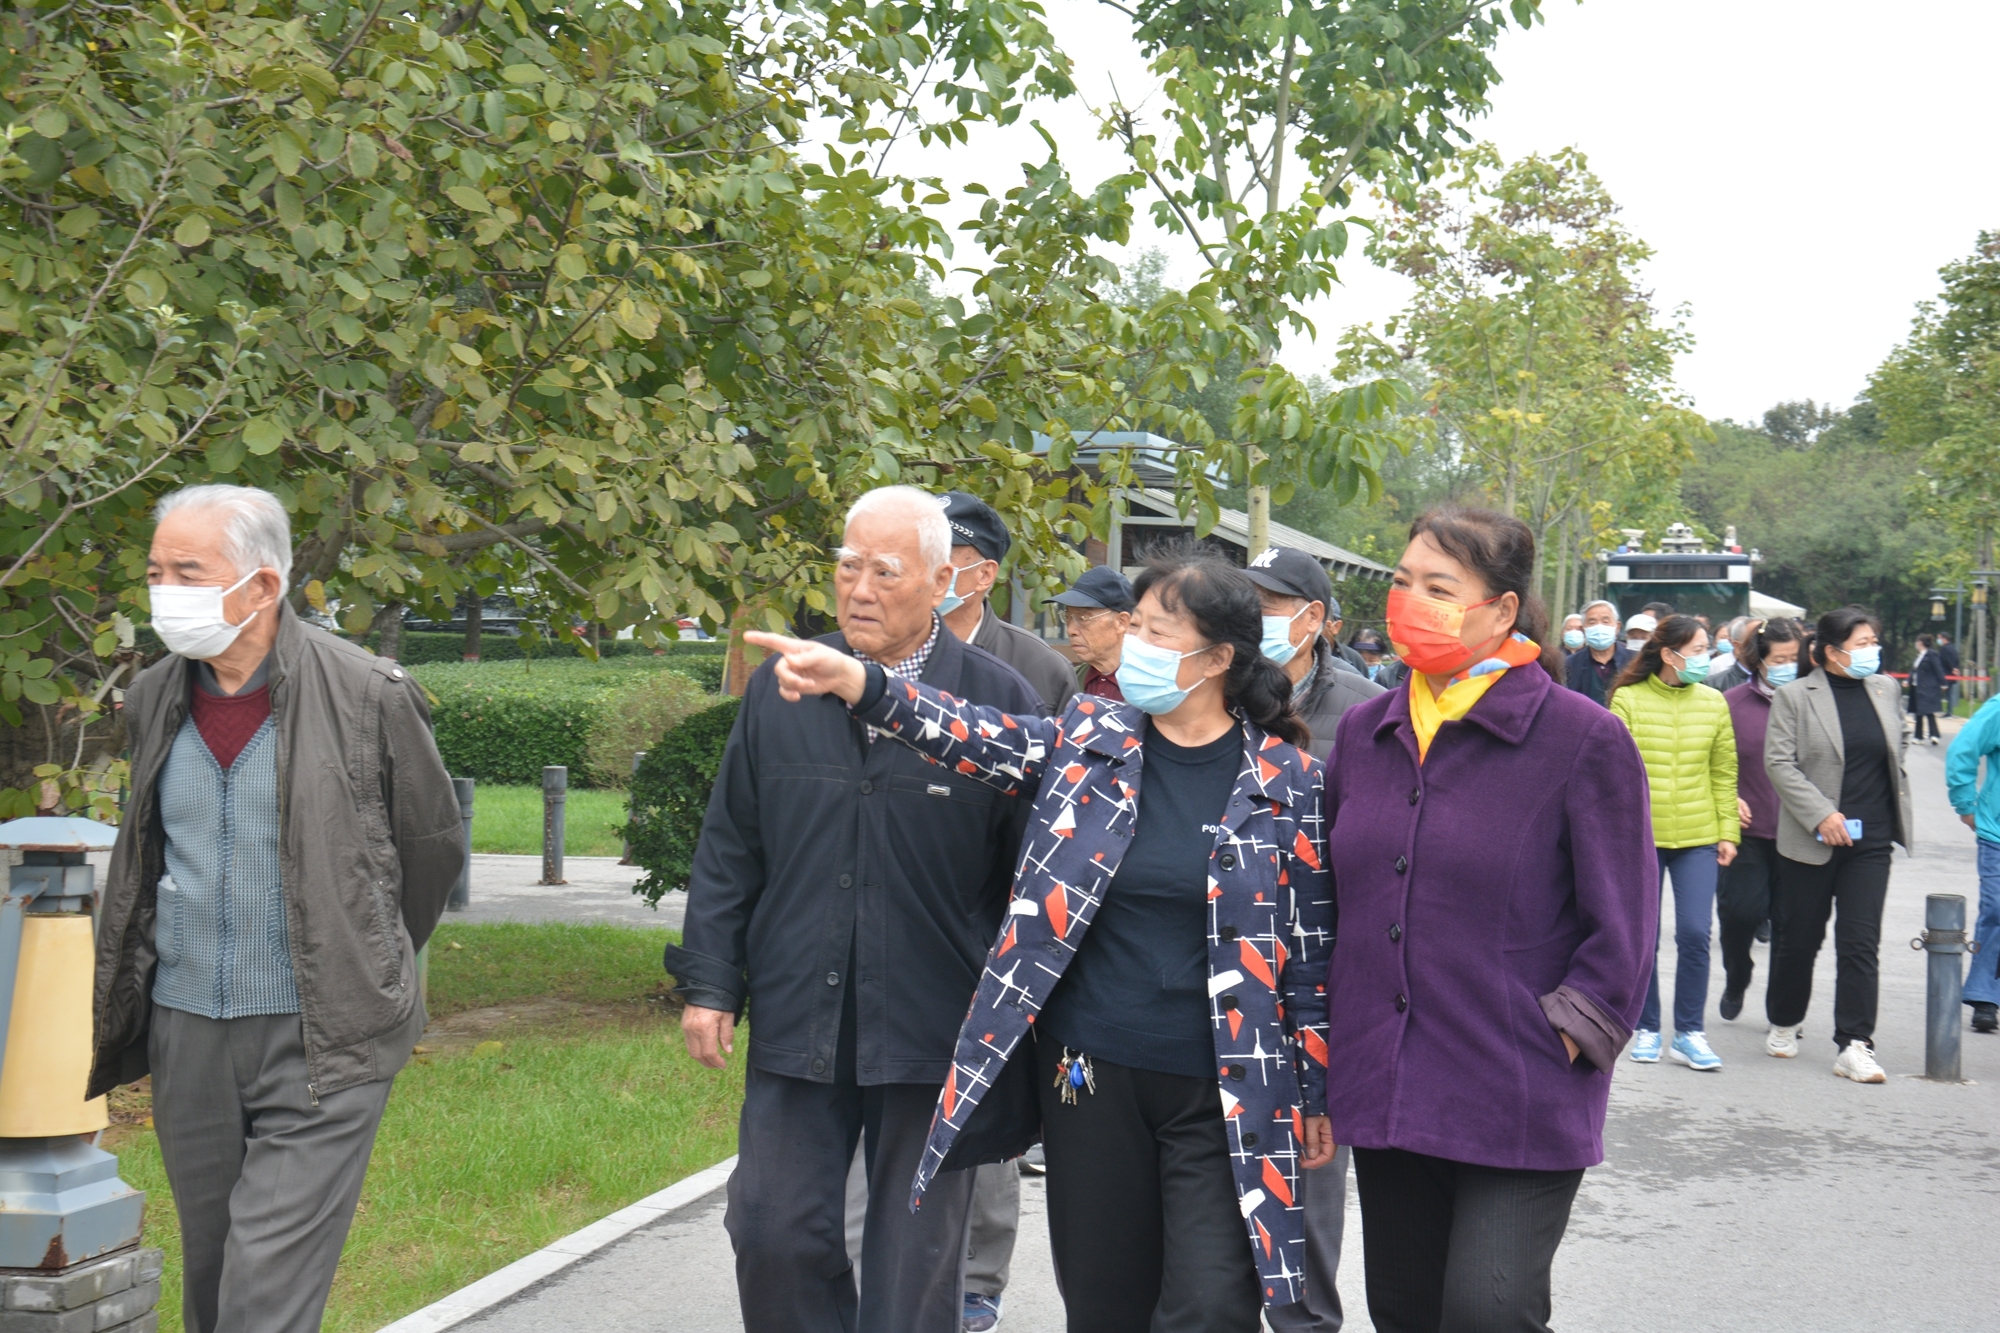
(1073, 1072)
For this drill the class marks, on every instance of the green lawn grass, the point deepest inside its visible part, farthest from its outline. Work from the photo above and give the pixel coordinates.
(486, 1155)
(509, 819)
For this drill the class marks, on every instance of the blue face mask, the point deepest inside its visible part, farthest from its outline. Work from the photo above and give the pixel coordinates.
(1782, 673)
(1572, 639)
(1149, 675)
(1278, 645)
(1600, 637)
(1864, 662)
(952, 601)
(1694, 670)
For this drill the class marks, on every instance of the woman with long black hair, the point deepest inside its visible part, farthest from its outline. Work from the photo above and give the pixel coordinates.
(1154, 1006)
(1689, 745)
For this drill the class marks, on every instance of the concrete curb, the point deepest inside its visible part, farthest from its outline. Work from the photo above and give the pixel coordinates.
(525, 1272)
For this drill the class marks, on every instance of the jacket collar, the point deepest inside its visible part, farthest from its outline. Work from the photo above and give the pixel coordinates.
(944, 668)
(1114, 730)
(1506, 711)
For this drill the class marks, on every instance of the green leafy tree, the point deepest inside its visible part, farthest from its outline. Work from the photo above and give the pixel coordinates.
(1544, 365)
(1277, 111)
(549, 299)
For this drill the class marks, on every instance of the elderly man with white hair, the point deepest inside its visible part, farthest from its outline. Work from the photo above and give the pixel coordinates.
(846, 892)
(288, 846)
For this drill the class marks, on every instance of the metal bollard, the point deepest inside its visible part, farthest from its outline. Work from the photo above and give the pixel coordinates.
(461, 892)
(625, 856)
(555, 792)
(1944, 939)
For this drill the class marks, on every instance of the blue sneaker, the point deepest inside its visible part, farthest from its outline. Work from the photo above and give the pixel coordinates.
(1646, 1049)
(1691, 1049)
(981, 1313)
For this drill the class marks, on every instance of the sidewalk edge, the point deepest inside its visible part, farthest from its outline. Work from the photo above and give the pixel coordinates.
(553, 1258)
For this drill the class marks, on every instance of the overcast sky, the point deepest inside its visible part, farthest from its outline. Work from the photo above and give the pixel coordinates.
(1801, 169)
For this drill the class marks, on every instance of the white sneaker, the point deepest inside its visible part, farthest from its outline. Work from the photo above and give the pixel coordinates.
(1782, 1042)
(1858, 1063)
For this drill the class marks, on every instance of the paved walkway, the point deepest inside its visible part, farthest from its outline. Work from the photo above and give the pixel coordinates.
(1768, 1197)
(508, 888)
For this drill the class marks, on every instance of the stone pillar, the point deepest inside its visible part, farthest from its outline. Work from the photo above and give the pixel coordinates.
(115, 1294)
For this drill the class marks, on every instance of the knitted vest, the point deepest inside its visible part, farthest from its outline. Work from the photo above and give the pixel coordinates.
(221, 934)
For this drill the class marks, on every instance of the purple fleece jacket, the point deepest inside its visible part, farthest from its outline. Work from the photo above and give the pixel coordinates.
(1503, 887)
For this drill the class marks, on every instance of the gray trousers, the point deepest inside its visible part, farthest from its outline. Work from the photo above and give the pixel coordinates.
(1323, 1195)
(264, 1180)
(996, 1222)
(787, 1211)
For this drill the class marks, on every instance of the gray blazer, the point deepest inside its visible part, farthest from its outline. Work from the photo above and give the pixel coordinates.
(1804, 756)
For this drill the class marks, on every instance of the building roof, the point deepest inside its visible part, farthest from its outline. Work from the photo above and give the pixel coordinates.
(1234, 527)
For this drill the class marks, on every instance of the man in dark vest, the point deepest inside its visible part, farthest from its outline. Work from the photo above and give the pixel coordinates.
(846, 891)
(288, 846)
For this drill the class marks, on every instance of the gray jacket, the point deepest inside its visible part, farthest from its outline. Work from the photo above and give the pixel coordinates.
(1331, 692)
(368, 847)
(1047, 670)
(1804, 755)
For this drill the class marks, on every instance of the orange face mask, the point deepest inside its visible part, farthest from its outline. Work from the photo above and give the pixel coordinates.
(1425, 631)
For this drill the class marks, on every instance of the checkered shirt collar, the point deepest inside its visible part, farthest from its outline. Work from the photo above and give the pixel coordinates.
(912, 667)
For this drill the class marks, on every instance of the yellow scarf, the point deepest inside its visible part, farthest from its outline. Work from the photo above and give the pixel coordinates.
(1428, 712)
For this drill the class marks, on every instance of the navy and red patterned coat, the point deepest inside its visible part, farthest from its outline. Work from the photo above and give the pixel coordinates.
(1270, 927)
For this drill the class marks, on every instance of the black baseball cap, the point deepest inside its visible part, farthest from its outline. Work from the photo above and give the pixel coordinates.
(974, 524)
(1100, 587)
(1294, 574)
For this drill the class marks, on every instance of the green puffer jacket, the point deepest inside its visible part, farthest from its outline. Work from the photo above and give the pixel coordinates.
(1689, 746)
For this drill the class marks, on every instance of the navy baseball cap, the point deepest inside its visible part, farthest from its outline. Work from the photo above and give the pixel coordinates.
(1291, 573)
(1099, 587)
(974, 524)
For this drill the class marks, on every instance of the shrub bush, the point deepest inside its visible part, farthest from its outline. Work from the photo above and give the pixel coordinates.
(637, 718)
(670, 795)
(424, 647)
(502, 722)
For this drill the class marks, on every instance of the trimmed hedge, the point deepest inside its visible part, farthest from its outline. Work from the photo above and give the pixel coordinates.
(424, 647)
(502, 722)
(669, 796)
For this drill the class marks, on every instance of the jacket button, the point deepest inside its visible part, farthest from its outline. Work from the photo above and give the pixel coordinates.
(846, 881)
(1402, 1003)
(1236, 1073)
(1227, 932)
(833, 978)
(1249, 1140)
(1227, 860)
(1402, 864)
(819, 1066)
(1395, 933)
(1229, 1002)
(867, 787)
(1413, 796)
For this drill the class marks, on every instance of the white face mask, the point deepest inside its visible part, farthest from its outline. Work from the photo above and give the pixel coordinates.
(190, 622)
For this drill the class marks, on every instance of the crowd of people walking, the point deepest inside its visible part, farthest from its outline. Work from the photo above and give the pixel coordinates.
(1249, 901)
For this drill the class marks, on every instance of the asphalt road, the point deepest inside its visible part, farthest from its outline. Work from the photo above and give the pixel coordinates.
(1769, 1196)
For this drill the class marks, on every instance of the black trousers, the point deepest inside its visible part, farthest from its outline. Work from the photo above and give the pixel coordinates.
(1931, 718)
(787, 1211)
(1454, 1248)
(1143, 1222)
(1856, 880)
(1743, 903)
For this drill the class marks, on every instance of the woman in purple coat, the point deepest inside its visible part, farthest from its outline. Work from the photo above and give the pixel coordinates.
(1495, 883)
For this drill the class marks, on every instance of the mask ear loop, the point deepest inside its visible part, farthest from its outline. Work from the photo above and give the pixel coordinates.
(232, 588)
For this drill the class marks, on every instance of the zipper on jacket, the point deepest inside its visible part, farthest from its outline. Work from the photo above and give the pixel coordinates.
(284, 822)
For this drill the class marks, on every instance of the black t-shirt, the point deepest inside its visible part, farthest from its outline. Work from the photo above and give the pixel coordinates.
(1866, 793)
(1136, 993)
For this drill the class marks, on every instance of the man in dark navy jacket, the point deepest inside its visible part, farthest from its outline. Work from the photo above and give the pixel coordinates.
(847, 891)
(1593, 669)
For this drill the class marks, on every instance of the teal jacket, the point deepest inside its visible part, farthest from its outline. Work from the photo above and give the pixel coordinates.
(1978, 739)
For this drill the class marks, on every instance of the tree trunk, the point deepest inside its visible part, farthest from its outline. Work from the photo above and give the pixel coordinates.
(475, 615)
(389, 628)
